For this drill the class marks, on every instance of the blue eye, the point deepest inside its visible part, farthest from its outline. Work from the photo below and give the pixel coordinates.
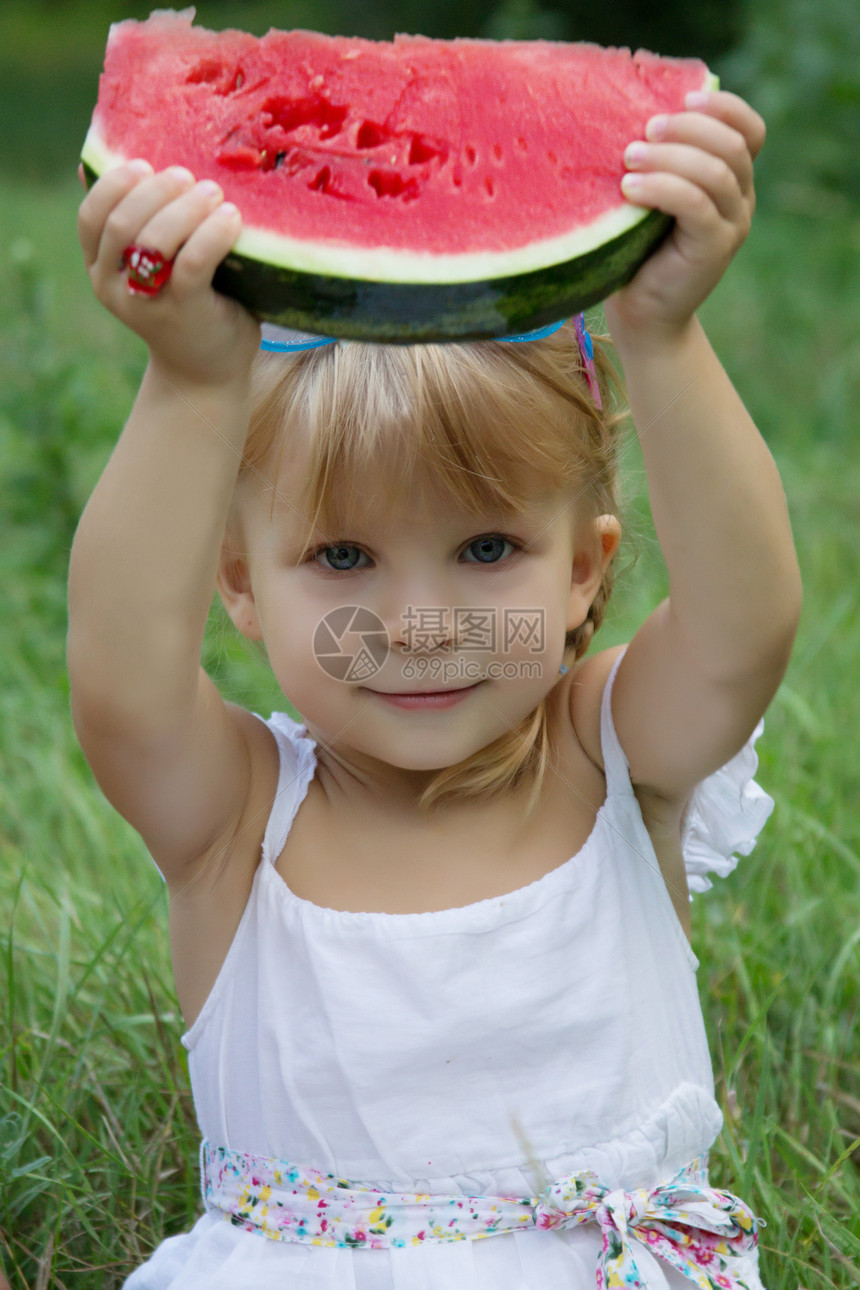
(488, 549)
(343, 558)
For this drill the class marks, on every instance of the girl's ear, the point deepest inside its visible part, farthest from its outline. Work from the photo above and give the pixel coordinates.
(234, 587)
(596, 544)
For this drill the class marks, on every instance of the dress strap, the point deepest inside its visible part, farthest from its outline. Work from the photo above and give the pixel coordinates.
(615, 763)
(693, 1227)
(297, 762)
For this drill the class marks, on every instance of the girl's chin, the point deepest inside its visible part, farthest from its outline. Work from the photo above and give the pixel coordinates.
(410, 753)
(423, 760)
(419, 740)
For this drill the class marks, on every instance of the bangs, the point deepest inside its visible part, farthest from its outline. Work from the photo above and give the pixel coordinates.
(490, 425)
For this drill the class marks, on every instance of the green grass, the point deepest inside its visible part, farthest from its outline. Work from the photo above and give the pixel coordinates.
(98, 1142)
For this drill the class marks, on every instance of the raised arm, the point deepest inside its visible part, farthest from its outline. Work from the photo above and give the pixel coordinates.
(172, 758)
(702, 669)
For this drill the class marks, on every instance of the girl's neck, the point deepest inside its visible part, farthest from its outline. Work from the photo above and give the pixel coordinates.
(364, 783)
(367, 779)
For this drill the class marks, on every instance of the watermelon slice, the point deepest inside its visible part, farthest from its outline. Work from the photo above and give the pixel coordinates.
(412, 190)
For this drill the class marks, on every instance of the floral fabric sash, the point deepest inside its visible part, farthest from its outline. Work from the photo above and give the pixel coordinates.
(695, 1228)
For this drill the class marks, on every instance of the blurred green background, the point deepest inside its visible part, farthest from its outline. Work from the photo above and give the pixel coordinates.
(97, 1134)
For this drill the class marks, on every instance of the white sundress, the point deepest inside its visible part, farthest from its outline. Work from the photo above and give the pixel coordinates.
(418, 1053)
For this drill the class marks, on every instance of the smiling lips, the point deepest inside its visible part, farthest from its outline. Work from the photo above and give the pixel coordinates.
(432, 699)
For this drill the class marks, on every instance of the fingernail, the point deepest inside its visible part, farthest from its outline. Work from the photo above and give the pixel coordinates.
(631, 182)
(634, 153)
(696, 98)
(209, 188)
(227, 210)
(140, 167)
(656, 127)
(181, 174)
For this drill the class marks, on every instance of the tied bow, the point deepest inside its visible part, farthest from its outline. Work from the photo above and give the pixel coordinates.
(697, 1230)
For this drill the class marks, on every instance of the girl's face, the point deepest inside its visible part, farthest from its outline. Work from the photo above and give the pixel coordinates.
(419, 597)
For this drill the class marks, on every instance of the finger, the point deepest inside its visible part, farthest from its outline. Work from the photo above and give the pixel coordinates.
(102, 198)
(130, 215)
(211, 240)
(711, 137)
(735, 112)
(697, 216)
(174, 223)
(712, 173)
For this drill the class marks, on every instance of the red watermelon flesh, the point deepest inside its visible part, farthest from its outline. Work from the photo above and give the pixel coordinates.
(419, 148)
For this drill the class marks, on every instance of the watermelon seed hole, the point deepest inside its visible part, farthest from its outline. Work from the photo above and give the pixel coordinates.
(423, 150)
(223, 79)
(470, 154)
(521, 144)
(497, 152)
(490, 187)
(552, 158)
(371, 135)
(317, 113)
(272, 160)
(387, 183)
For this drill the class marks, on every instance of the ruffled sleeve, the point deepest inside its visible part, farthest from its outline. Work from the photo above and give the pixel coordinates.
(724, 817)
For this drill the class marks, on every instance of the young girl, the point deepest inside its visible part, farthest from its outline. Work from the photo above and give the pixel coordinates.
(431, 945)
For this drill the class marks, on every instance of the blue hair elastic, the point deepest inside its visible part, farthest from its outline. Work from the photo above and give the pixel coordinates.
(282, 340)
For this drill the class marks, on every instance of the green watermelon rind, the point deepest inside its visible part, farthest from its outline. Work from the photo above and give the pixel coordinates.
(404, 312)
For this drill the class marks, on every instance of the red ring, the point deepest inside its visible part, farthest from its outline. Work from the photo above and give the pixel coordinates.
(148, 270)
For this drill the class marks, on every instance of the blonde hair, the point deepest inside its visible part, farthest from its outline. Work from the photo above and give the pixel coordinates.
(485, 419)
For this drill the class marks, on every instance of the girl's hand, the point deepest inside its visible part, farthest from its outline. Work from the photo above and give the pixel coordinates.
(698, 166)
(195, 335)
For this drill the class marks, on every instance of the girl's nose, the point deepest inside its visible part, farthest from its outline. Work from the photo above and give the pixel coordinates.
(420, 615)
(424, 629)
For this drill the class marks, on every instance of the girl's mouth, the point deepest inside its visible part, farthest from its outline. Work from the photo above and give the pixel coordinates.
(426, 699)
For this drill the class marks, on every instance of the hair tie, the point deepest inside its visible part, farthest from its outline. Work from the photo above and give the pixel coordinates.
(586, 350)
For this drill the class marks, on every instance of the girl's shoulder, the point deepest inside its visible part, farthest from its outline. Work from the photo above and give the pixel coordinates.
(584, 698)
(718, 820)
